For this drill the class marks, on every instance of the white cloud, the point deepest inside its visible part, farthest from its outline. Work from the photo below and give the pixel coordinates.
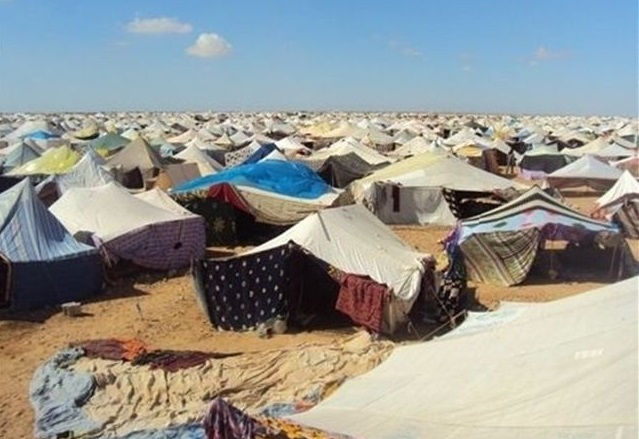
(405, 50)
(542, 54)
(160, 25)
(209, 45)
(409, 51)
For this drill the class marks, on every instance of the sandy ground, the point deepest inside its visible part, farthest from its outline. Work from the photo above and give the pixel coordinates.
(164, 313)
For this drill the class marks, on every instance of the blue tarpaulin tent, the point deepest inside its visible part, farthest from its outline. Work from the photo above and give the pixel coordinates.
(280, 177)
(40, 262)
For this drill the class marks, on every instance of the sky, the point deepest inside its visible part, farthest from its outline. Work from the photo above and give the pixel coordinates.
(476, 56)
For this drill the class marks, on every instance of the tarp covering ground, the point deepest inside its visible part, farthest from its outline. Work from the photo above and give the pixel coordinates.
(561, 369)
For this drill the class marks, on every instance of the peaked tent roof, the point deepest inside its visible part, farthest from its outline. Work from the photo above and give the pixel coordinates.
(626, 187)
(532, 209)
(109, 141)
(88, 172)
(29, 232)
(92, 209)
(193, 154)
(19, 154)
(53, 161)
(157, 197)
(553, 370)
(346, 237)
(349, 145)
(435, 169)
(585, 171)
(592, 147)
(137, 154)
(617, 150)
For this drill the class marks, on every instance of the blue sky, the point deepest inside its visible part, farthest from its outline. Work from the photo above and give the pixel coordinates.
(496, 56)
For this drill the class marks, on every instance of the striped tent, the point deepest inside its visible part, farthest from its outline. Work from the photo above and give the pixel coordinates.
(40, 262)
(500, 246)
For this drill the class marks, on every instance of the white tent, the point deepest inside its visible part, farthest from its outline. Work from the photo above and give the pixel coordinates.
(528, 371)
(417, 145)
(94, 209)
(586, 171)
(419, 180)
(158, 198)
(205, 164)
(132, 228)
(626, 187)
(349, 145)
(590, 148)
(88, 172)
(347, 238)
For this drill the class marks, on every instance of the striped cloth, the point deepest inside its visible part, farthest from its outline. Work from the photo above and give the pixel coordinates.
(628, 219)
(500, 258)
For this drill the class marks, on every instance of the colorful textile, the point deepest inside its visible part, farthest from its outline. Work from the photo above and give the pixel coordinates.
(453, 283)
(628, 218)
(223, 421)
(112, 349)
(285, 429)
(363, 300)
(501, 258)
(240, 293)
(220, 218)
(172, 361)
(226, 193)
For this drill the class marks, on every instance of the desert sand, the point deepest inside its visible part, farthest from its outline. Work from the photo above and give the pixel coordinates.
(164, 314)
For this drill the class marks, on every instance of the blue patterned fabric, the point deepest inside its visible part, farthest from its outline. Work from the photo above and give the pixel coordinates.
(240, 293)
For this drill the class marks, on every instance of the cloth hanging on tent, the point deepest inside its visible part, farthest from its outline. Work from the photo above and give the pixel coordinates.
(453, 283)
(245, 291)
(363, 300)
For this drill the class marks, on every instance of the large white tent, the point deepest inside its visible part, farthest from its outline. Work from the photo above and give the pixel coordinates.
(529, 371)
(347, 238)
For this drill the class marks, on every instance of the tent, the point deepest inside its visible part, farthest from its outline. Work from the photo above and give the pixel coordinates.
(150, 236)
(255, 284)
(554, 370)
(340, 170)
(205, 164)
(500, 246)
(586, 171)
(109, 142)
(285, 178)
(621, 204)
(17, 155)
(88, 172)
(411, 191)
(137, 155)
(52, 161)
(41, 264)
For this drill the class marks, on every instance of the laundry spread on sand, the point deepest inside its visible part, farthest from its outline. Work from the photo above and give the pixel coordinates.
(165, 394)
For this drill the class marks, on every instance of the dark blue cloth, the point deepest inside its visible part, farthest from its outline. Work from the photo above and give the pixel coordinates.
(240, 293)
(260, 153)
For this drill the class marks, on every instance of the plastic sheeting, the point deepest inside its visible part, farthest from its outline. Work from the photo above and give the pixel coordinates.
(562, 369)
(284, 178)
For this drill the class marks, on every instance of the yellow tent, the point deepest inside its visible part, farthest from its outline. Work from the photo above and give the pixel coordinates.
(53, 161)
